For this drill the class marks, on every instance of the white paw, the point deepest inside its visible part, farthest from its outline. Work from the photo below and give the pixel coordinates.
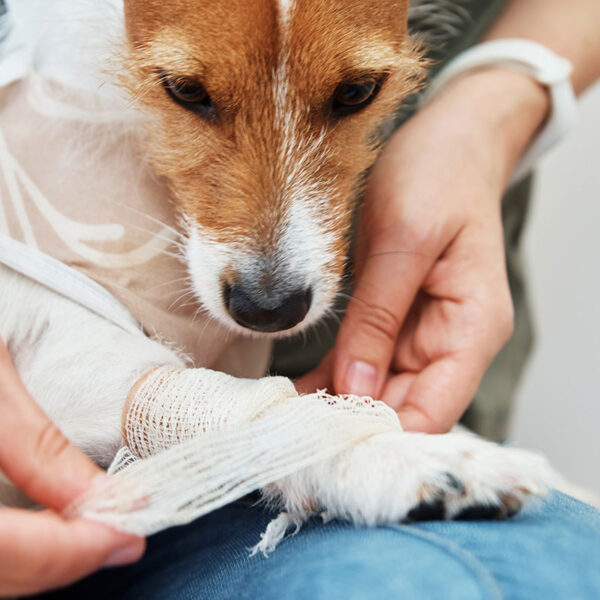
(399, 477)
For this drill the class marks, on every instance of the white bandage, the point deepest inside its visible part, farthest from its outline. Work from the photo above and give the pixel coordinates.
(539, 63)
(199, 439)
(172, 405)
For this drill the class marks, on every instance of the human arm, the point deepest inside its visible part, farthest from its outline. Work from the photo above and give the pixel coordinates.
(431, 306)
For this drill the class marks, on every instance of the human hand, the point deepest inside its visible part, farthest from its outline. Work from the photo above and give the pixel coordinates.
(432, 306)
(41, 550)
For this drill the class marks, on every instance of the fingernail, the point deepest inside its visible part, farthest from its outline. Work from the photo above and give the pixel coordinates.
(123, 556)
(361, 379)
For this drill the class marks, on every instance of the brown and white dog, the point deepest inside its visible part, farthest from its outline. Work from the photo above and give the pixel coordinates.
(263, 117)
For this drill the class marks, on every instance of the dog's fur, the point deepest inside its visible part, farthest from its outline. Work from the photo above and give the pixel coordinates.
(266, 189)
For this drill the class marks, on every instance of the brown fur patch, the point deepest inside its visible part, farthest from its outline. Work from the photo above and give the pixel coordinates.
(232, 177)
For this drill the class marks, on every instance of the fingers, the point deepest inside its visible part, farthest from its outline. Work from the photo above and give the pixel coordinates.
(40, 551)
(435, 381)
(385, 290)
(34, 454)
(434, 399)
(400, 237)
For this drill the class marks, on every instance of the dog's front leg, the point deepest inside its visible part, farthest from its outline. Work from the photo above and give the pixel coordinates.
(396, 477)
(375, 473)
(82, 369)
(78, 366)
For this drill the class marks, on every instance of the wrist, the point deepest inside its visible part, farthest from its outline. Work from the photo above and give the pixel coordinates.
(500, 109)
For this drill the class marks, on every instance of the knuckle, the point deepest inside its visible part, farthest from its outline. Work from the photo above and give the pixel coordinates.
(378, 322)
(502, 317)
(506, 322)
(49, 444)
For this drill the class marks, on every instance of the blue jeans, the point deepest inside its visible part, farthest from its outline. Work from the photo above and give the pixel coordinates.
(550, 551)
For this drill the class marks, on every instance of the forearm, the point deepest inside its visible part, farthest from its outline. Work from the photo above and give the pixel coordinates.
(570, 29)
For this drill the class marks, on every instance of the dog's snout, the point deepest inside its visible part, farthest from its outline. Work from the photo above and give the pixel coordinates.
(252, 311)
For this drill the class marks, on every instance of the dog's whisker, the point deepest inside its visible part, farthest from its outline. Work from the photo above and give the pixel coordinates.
(157, 234)
(206, 324)
(192, 301)
(181, 298)
(334, 314)
(343, 295)
(171, 282)
(149, 218)
(170, 254)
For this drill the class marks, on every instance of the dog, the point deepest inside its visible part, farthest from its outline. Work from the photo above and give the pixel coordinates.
(262, 118)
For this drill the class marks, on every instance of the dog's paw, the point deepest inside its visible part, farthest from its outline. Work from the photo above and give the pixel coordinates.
(403, 477)
(482, 480)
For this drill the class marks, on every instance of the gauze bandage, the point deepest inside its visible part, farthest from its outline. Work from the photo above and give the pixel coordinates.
(198, 439)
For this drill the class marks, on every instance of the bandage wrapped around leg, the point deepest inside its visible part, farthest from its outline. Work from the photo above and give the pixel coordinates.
(198, 439)
(170, 406)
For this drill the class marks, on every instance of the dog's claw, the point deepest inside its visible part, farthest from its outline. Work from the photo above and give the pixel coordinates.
(428, 511)
(481, 512)
(454, 482)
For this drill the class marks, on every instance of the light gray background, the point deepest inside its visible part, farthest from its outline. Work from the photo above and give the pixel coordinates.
(558, 404)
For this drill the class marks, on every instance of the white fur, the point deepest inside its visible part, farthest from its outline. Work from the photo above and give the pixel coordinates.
(206, 259)
(78, 366)
(305, 245)
(286, 7)
(384, 477)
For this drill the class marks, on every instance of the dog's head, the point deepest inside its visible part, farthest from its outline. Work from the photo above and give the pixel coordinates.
(263, 114)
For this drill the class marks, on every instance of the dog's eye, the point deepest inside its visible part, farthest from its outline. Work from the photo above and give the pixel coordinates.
(190, 94)
(187, 91)
(353, 96)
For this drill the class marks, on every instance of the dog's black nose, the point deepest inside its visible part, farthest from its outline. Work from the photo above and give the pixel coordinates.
(260, 314)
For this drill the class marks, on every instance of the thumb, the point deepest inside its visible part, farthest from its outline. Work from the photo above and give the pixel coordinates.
(385, 290)
(34, 454)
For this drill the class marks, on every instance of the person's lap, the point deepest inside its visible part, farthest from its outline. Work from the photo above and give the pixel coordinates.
(552, 550)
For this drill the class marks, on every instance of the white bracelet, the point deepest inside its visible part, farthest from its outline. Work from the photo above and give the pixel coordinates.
(539, 63)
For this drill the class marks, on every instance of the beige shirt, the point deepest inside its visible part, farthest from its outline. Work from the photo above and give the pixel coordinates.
(75, 185)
